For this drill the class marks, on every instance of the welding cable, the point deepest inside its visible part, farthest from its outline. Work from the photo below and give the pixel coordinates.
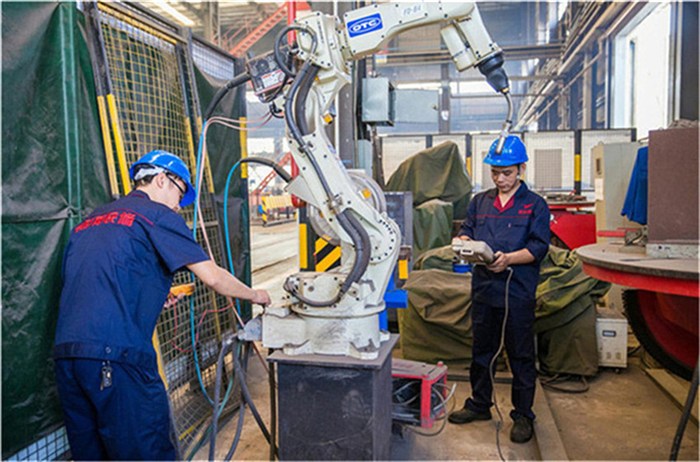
(277, 48)
(685, 415)
(351, 225)
(300, 101)
(208, 431)
(199, 169)
(246, 395)
(507, 124)
(273, 406)
(241, 415)
(240, 79)
(442, 404)
(492, 372)
(276, 167)
(226, 345)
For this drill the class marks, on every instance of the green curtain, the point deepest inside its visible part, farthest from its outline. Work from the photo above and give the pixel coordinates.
(53, 174)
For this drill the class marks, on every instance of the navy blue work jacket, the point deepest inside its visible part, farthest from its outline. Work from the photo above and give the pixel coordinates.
(117, 270)
(521, 223)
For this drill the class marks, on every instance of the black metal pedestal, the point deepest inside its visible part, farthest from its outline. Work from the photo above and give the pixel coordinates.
(334, 407)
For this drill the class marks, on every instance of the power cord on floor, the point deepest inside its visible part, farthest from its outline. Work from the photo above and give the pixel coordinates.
(492, 372)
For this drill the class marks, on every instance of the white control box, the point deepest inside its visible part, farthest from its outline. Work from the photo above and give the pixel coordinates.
(611, 333)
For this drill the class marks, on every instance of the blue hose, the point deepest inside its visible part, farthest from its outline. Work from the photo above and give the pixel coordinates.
(192, 277)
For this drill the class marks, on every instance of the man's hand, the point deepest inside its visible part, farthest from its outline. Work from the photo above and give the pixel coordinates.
(261, 297)
(501, 262)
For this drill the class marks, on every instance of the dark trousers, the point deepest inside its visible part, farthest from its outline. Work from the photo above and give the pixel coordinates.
(519, 345)
(130, 420)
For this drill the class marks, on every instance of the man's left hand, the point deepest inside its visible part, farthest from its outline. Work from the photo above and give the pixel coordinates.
(501, 262)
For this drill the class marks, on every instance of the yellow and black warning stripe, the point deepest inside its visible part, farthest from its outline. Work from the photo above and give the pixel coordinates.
(326, 255)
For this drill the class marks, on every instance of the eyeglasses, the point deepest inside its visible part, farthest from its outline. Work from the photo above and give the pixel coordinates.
(179, 188)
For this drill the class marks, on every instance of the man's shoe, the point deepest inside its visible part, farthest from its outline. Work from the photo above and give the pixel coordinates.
(466, 415)
(522, 430)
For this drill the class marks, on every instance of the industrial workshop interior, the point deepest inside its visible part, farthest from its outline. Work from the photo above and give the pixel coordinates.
(350, 230)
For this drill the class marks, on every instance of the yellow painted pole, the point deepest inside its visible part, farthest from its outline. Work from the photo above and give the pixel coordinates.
(119, 143)
(107, 142)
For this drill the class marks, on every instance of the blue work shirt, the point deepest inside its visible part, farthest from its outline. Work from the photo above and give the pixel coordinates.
(522, 223)
(117, 271)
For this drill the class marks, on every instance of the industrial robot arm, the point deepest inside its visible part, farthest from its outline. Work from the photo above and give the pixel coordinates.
(335, 312)
(364, 31)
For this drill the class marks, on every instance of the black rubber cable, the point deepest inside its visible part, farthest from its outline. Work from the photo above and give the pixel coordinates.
(277, 48)
(347, 221)
(690, 400)
(351, 225)
(225, 347)
(241, 415)
(236, 81)
(246, 395)
(272, 380)
(300, 101)
(276, 167)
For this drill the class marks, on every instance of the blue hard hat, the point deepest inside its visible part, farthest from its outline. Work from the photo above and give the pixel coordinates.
(513, 153)
(172, 164)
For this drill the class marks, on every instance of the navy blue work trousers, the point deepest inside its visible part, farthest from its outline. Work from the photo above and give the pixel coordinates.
(129, 420)
(487, 322)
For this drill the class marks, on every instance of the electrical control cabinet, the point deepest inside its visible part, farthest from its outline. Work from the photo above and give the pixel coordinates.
(611, 334)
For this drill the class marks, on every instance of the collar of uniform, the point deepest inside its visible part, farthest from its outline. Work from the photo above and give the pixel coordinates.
(520, 192)
(139, 193)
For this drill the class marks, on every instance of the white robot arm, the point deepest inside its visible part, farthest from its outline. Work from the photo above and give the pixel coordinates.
(336, 312)
(331, 45)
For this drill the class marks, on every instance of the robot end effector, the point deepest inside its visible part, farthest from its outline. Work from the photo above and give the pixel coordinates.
(470, 45)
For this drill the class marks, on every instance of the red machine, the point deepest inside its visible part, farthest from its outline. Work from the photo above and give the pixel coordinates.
(571, 223)
(420, 392)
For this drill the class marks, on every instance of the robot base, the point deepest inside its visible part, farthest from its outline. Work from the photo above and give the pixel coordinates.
(334, 407)
(357, 337)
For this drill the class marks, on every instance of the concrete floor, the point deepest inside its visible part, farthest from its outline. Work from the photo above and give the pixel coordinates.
(623, 416)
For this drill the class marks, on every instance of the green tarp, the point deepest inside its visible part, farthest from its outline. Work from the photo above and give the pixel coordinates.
(441, 189)
(434, 173)
(436, 325)
(53, 173)
(432, 225)
(565, 316)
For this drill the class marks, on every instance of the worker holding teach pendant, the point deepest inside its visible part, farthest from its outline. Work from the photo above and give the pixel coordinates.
(514, 222)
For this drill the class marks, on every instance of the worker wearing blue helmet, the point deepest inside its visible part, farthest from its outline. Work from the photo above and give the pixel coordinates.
(118, 268)
(514, 222)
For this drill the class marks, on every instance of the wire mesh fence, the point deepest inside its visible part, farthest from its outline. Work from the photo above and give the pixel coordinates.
(53, 446)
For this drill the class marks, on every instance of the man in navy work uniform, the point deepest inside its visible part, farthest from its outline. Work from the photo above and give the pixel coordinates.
(117, 269)
(514, 222)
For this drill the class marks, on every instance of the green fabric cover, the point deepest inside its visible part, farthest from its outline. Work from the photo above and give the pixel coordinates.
(440, 258)
(434, 173)
(566, 315)
(436, 325)
(432, 225)
(53, 174)
(441, 189)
